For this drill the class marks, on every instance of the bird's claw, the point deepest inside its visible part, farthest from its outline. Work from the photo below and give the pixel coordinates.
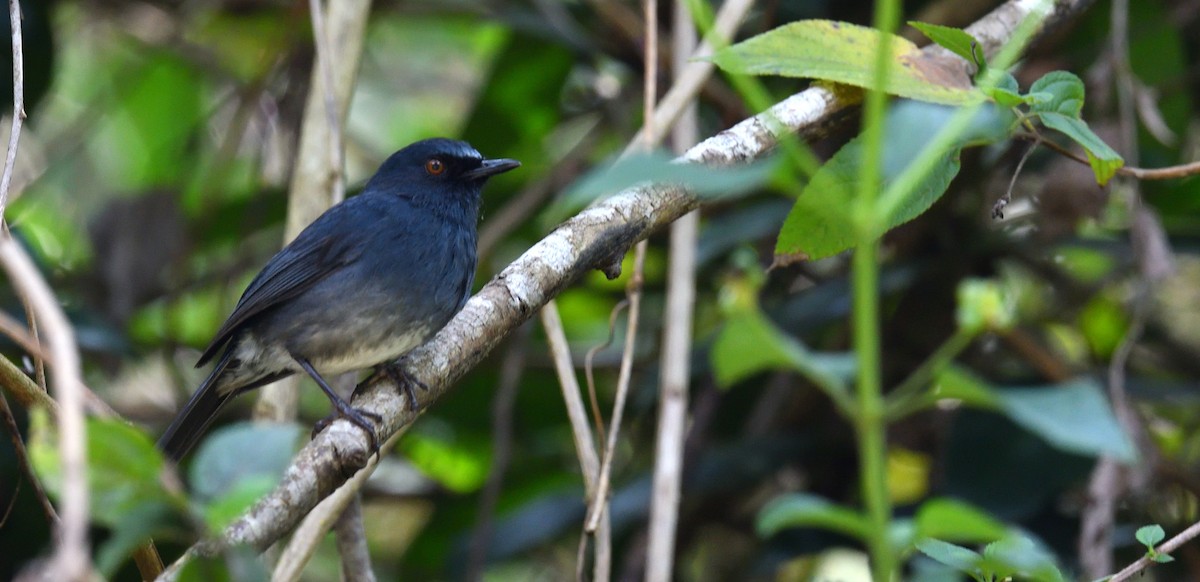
(356, 416)
(399, 375)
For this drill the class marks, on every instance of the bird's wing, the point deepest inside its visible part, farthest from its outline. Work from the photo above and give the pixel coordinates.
(308, 259)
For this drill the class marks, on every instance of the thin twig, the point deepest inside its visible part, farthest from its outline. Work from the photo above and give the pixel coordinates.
(1168, 173)
(72, 561)
(1167, 547)
(589, 370)
(600, 502)
(317, 523)
(39, 492)
(998, 207)
(585, 444)
(633, 291)
(695, 71)
(352, 543)
(677, 343)
(325, 61)
(14, 135)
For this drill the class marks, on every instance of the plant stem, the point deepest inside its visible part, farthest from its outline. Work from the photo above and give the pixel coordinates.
(907, 397)
(871, 422)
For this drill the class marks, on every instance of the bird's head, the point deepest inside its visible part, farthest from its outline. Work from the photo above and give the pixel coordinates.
(438, 170)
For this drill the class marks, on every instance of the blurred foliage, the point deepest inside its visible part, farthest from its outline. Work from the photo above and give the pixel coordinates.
(152, 180)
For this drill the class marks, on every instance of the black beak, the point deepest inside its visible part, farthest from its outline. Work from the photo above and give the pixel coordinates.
(490, 168)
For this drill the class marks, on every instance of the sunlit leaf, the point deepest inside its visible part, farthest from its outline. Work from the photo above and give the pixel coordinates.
(458, 460)
(845, 53)
(953, 520)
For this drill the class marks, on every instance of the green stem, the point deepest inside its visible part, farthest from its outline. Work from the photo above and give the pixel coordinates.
(906, 397)
(871, 423)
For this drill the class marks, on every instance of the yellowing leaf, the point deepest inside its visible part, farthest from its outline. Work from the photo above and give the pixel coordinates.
(845, 53)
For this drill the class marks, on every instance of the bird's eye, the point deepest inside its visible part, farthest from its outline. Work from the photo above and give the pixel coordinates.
(435, 167)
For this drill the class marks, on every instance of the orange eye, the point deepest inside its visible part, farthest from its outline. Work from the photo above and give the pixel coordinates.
(435, 167)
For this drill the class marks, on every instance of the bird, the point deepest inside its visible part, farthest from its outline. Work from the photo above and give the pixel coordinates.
(370, 279)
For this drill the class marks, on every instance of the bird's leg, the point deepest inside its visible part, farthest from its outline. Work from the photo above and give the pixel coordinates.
(341, 408)
(399, 375)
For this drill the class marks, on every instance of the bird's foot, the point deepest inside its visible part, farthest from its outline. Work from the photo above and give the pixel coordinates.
(398, 374)
(356, 416)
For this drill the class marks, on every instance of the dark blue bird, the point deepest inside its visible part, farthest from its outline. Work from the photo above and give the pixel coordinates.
(370, 279)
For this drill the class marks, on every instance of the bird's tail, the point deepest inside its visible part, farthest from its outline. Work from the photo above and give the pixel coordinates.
(197, 414)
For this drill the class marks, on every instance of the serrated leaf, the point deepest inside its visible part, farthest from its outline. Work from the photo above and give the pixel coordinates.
(820, 224)
(805, 510)
(955, 40)
(1150, 535)
(1065, 90)
(1104, 160)
(845, 53)
(957, 557)
(1074, 417)
(952, 520)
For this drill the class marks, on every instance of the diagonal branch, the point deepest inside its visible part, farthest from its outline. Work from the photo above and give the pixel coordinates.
(589, 240)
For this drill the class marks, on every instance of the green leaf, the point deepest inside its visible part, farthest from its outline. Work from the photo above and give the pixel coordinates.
(1065, 94)
(982, 306)
(1150, 535)
(820, 224)
(956, 40)
(957, 557)
(457, 459)
(1162, 558)
(1007, 93)
(1020, 556)
(134, 528)
(1104, 160)
(749, 343)
(1073, 417)
(659, 167)
(235, 500)
(263, 452)
(845, 53)
(805, 510)
(953, 520)
(955, 382)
